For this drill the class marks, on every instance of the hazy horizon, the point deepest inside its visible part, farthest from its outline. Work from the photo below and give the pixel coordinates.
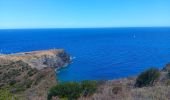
(85, 28)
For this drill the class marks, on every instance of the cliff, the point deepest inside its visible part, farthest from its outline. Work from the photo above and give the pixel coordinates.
(39, 59)
(29, 75)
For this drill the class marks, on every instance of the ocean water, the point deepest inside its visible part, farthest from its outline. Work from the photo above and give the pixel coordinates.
(99, 54)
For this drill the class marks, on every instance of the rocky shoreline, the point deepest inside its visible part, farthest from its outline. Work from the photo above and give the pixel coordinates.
(29, 75)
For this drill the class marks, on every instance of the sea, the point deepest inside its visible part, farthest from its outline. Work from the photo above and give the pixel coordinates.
(97, 53)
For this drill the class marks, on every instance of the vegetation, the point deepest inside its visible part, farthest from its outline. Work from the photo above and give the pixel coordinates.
(147, 78)
(88, 87)
(168, 74)
(31, 72)
(116, 89)
(73, 90)
(70, 90)
(6, 95)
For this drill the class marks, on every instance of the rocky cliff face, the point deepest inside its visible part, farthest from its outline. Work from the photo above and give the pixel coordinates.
(30, 74)
(39, 59)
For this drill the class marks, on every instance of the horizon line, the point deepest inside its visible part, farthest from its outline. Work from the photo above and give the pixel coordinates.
(87, 27)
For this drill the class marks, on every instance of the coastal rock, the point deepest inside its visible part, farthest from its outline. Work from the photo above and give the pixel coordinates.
(167, 67)
(39, 59)
(31, 74)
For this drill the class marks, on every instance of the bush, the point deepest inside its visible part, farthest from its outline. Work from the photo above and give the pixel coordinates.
(69, 90)
(147, 78)
(31, 72)
(6, 95)
(12, 82)
(73, 90)
(88, 87)
(168, 74)
(18, 88)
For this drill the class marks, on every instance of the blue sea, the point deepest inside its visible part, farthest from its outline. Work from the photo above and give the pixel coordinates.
(99, 53)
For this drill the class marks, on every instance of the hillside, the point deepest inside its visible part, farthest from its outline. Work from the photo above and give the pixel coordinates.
(125, 89)
(29, 75)
(152, 84)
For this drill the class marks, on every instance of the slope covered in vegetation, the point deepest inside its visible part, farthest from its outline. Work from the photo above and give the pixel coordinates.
(152, 84)
(29, 75)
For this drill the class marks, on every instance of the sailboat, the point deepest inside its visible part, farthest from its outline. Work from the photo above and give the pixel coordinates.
(134, 36)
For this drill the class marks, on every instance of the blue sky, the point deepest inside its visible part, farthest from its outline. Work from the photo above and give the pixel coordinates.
(83, 13)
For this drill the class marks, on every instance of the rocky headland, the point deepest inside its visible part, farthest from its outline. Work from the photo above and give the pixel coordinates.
(29, 75)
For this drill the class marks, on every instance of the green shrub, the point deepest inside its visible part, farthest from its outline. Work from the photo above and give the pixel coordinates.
(28, 83)
(88, 87)
(73, 90)
(22, 86)
(18, 88)
(6, 95)
(31, 72)
(69, 90)
(168, 74)
(147, 78)
(12, 82)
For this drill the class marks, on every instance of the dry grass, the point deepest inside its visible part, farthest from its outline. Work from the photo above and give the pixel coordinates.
(124, 89)
(112, 90)
(30, 55)
(39, 91)
(151, 93)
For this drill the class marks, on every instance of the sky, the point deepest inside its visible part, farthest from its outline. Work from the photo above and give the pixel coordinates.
(83, 13)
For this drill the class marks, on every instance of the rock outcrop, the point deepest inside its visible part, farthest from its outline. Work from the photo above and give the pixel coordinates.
(29, 75)
(39, 59)
(167, 67)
